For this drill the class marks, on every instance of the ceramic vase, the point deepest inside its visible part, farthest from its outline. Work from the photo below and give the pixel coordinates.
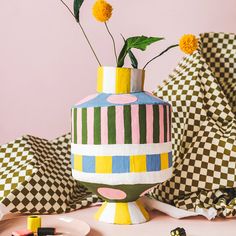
(121, 143)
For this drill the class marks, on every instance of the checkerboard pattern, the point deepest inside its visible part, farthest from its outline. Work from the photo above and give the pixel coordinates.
(36, 177)
(202, 92)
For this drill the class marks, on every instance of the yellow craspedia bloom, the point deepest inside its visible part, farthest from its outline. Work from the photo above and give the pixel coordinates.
(102, 10)
(188, 43)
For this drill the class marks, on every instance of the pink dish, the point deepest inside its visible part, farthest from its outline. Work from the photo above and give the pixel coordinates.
(68, 226)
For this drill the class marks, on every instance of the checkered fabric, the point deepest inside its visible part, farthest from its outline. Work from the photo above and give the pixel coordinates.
(202, 92)
(35, 177)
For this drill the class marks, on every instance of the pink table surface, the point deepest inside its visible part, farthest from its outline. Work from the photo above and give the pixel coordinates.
(160, 225)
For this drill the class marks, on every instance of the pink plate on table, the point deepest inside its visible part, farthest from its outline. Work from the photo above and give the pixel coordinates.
(67, 226)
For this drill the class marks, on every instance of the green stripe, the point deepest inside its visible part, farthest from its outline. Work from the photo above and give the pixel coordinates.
(75, 124)
(142, 123)
(111, 125)
(97, 125)
(156, 131)
(127, 124)
(84, 126)
(165, 123)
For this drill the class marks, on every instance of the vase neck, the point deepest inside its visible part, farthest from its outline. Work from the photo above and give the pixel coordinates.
(120, 80)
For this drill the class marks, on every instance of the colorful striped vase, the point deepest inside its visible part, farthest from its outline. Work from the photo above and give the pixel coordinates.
(121, 143)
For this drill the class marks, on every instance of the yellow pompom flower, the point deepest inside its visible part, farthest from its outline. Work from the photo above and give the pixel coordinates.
(188, 43)
(102, 10)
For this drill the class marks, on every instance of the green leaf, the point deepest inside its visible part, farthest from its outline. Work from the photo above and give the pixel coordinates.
(141, 42)
(138, 42)
(133, 60)
(77, 6)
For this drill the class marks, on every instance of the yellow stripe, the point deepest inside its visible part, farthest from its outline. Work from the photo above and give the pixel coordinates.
(122, 215)
(123, 76)
(78, 162)
(103, 164)
(100, 80)
(164, 161)
(144, 212)
(138, 163)
(100, 211)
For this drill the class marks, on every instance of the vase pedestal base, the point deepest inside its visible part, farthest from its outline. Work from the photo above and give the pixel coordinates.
(123, 213)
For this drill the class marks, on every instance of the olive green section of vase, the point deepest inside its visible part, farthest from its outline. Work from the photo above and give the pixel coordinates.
(133, 191)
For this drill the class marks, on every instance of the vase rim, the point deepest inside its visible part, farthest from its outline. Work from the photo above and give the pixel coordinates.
(125, 68)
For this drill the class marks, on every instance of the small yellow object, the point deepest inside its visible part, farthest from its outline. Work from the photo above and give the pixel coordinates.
(102, 10)
(33, 223)
(188, 43)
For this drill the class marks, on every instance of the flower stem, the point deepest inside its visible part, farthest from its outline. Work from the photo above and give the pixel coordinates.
(82, 29)
(67, 8)
(172, 46)
(90, 45)
(113, 41)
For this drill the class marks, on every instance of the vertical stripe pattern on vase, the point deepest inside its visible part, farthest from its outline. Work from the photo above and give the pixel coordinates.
(128, 124)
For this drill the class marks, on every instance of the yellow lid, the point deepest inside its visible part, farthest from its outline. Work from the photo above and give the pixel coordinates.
(33, 223)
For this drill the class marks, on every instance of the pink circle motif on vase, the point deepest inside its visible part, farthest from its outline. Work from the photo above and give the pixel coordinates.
(121, 99)
(111, 193)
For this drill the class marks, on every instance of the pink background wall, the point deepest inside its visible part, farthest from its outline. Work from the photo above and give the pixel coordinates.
(46, 65)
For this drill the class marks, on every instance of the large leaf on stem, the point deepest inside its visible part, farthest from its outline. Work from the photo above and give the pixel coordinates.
(141, 42)
(77, 6)
(134, 61)
(138, 42)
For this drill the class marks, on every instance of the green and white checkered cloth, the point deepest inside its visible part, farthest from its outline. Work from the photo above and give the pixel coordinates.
(202, 91)
(35, 177)
(35, 174)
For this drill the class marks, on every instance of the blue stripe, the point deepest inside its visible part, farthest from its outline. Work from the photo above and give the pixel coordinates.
(101, 100)
(170, 159)
(72, 161)
(153, 162)
(88, 164)
(120, 164)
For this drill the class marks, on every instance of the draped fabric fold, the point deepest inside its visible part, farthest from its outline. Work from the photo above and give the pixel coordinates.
(202, 92)
(35, 178)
